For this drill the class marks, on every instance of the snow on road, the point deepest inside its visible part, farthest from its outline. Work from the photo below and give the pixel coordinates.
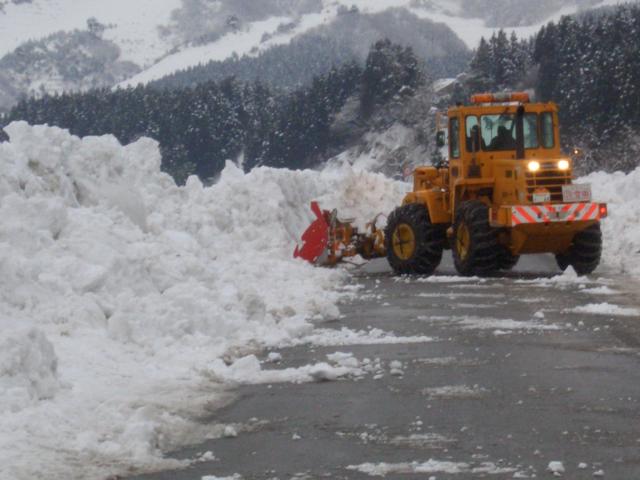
(606, 309)
(430, 466)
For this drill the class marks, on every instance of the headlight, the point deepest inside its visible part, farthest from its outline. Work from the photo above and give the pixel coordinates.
(563, 164)
(533, 166)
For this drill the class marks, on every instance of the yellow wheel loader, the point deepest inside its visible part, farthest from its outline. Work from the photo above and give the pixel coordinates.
(505, 190)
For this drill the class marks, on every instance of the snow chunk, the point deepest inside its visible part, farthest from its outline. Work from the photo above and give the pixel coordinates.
(274, 357)
(28, 370)
(248, 370)
(556, 467)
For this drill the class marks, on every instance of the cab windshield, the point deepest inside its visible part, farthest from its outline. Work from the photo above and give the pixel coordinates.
(498, 132)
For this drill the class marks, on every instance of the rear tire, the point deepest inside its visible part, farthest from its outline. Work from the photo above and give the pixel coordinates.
(585, 251)
(413, 244)
(475, 244)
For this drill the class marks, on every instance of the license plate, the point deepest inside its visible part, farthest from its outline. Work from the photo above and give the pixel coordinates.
(576, 193)
(542, 197)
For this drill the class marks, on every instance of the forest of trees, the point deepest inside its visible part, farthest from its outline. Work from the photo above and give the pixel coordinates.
(288, 66)
(590, 67)
(199, 128)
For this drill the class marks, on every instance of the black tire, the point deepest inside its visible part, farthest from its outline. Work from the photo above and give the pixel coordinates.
(424, 254)
(506, 261)
(585, 251)
(477, 251)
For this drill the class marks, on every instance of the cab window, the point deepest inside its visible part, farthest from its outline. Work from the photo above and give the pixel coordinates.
(530, 130)
(471, 124)
(454, 138)
(546, 130)
(499, 132)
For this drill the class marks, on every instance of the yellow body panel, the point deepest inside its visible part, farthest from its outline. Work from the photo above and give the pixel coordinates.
(544, 238)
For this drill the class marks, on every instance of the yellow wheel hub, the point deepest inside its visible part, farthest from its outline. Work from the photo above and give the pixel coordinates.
(463, 241)
(404, 242)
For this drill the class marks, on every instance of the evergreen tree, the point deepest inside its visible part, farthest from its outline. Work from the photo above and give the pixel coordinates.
(481, 69)
(390, 70)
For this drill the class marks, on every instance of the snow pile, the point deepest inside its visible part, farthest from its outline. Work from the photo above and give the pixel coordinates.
(621, 229)
(119, 291)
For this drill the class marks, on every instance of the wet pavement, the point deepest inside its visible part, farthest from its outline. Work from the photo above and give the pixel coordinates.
(513, 380)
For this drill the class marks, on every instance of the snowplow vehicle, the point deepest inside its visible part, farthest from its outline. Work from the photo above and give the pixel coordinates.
(505, 190)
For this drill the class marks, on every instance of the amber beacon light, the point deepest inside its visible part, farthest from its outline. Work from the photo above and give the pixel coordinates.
(521, 97)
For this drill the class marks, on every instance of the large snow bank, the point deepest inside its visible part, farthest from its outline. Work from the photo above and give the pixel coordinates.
(621, 230)
(119, 291)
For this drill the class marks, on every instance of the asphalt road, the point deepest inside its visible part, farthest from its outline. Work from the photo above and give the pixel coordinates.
(512, 381)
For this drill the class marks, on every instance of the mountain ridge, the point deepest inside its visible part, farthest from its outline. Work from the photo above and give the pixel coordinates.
(157, 38)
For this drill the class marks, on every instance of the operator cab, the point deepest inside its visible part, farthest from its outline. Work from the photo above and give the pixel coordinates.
(491, 125)
(511, 143)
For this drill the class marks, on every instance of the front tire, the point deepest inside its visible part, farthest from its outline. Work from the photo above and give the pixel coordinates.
(585, 251)
(475, 244)
(414, 245)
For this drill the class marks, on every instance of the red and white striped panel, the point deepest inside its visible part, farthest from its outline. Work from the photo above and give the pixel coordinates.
(569, 212)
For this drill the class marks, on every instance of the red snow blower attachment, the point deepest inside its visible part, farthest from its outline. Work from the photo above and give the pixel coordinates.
(328, 240)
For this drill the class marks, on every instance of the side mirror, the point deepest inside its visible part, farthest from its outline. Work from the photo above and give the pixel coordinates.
(440, 139)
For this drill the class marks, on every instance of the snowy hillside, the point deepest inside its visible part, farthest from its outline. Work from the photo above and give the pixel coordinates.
(133, 25)
(261, 35)
(157, 38)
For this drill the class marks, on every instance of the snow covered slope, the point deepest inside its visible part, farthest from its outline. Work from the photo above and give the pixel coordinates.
(261, 35)
(133, 24)
(159, 37)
